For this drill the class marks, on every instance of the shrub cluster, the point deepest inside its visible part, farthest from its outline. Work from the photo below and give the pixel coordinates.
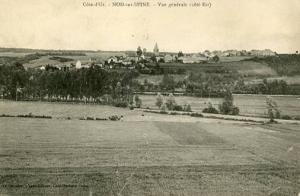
(227, 106)
(30, 115)
(171, 104)
(115, 117)
(196, 114)
(210, 109)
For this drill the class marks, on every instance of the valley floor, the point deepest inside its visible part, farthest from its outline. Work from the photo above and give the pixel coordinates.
(163, 156)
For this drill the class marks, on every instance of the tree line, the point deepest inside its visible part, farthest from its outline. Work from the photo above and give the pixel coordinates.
(70, 85)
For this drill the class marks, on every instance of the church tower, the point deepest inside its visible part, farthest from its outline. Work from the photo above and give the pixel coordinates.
(156, 50)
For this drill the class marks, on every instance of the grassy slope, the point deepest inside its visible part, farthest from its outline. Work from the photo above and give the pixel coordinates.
(44, 60)
(247, 68)
(253, 105)
(147, 158)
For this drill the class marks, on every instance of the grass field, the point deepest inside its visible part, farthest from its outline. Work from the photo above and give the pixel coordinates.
(252, 105)
(234, 58)
(249, 105)
(62, 110)
(13, 54)
(144, 157)
(246, 68)
(44, 60)
(156, 79)
(289, 79)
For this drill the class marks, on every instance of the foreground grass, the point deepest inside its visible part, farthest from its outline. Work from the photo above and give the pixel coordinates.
(72, 157)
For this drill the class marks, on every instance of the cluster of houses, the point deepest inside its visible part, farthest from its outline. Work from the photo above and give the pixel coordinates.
(229, 53)
(131, 60)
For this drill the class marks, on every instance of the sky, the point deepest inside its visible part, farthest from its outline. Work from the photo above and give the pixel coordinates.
(228, 24)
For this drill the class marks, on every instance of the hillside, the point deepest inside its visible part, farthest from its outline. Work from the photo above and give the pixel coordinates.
(245, 68)
(283, 64)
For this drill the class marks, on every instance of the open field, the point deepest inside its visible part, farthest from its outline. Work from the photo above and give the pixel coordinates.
(250, 68)
(156, 79)
(137, 157)
(234, 58)
(246, 68)
(250, 105)
(60, 110)
(13, 54)
(289, 79)
(44, 60)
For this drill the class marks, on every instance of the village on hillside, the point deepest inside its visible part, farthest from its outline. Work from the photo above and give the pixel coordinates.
(143, 59)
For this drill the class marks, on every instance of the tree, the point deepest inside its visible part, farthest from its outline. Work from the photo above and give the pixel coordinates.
(216, 59)
(273, 111)
(163, 108)
(139, 51)
(168, 82)
(187, 108)
(159, 100)
(170, 103)
(138, 101)
(210, 109)
(180, 54)
(227, 106)
(153, 58)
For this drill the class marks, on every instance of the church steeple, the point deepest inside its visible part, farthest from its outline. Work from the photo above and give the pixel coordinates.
(156, 50)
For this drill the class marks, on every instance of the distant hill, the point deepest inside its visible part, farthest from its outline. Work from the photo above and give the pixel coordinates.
(283, 64)
(29, 50)
(245, 68)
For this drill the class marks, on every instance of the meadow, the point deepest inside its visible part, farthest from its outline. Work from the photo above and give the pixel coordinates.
(249, 105)
(245, 68)
(46, 58)
(166, 156)
(146, 153)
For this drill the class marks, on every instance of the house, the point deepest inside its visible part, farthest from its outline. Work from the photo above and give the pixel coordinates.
(169, 58)
(78, 65)
(112, 59)
(266, 52)
(86, 65)
(99, 65)
(193, 59)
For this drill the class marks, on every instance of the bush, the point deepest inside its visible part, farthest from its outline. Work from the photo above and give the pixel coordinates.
(159, 100)
(178, 108)
(277, 114)
(170, 103)
(6, 115)
(138, 101)
(196, 114)
(273, 111)
(114, 118)
(286, 117)
(210, 109)
(187, 108)
(89, 118)
(163, 108)
(227, 106)
(235, 111)
(297, 118)
(163, 112)
(131, 107)
(101, 118)
(121, 104)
